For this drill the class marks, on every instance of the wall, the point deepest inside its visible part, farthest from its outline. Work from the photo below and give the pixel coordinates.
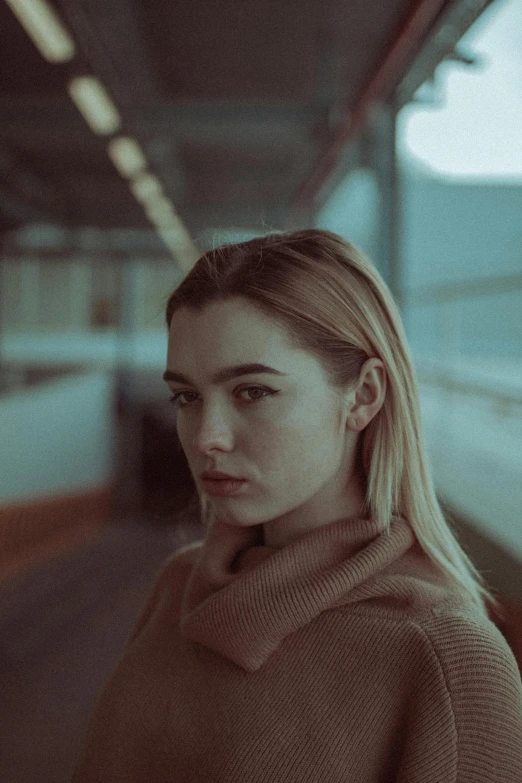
(57, 461)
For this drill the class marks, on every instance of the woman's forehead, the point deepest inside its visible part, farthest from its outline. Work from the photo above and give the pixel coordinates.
(233, 328)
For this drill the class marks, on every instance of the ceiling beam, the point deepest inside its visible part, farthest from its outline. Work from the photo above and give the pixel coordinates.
(164, 114)
(241, 217)
(108, 33)
(16, 211)
(408, 40)
(440, 44)
(118, 25)
(25, 196)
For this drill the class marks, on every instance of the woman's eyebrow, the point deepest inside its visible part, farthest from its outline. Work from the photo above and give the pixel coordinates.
(225, 374)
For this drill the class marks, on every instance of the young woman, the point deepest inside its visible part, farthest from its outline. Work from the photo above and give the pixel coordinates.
(328, 627)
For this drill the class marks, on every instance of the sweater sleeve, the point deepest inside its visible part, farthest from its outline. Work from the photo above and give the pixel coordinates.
(181, 561)
(465, 722)
(97, 750)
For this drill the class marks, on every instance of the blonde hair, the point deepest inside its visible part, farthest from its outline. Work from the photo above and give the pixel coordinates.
(335, 305)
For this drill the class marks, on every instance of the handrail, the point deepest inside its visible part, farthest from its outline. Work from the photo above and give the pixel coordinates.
(413, 30)
(443, 374)
(462, 289)
(439, 378)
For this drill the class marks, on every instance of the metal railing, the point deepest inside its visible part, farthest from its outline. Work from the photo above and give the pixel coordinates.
(442, 369)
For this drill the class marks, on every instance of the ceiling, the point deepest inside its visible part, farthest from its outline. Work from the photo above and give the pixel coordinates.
(236, 104)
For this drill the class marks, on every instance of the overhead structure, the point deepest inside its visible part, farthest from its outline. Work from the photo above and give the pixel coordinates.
(187, 118)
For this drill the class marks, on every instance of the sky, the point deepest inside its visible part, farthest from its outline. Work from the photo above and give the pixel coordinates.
(475, 131)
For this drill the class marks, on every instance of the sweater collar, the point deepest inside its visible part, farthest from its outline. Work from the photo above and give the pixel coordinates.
(244, 598)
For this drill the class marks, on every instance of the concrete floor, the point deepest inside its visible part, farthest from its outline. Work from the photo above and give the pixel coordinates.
(63, 624)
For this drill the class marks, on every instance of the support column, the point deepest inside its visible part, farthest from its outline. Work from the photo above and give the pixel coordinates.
(382, 130)
(4, 382)
(30, 277)
(128, 417)
(79, 293)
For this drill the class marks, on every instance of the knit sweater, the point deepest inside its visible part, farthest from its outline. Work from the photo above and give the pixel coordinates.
(344, 656)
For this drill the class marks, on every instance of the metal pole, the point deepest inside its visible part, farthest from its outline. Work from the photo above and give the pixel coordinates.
(128, 418)
(384, 124)
(3, 374)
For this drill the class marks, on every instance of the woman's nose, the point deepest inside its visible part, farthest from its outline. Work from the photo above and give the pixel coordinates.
(213, 430)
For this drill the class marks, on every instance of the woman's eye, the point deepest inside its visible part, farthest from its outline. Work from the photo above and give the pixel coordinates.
(176, 397)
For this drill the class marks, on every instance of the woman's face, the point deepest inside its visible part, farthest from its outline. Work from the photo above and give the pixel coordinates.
(291, 443)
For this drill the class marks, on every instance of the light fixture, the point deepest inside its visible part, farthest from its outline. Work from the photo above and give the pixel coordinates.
(146, 187)
(127, 156)
(161, 212)
(175, 237)
(45, 29)
(92, 100)
(181, 245)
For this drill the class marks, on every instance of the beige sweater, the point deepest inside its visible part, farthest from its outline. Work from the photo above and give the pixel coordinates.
(343, 657)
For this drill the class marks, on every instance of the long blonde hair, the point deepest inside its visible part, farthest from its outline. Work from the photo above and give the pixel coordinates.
(335, 305)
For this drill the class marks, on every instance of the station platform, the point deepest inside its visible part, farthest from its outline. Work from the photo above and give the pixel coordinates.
(63, 624)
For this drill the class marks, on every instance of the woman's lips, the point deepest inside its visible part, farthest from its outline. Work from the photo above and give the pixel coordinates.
(223, 487)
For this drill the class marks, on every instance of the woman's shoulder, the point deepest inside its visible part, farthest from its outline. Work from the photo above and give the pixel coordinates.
(181, 560)
(186, 553)
(168, 585)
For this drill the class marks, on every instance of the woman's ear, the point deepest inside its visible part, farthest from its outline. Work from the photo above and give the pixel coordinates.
(369, 395)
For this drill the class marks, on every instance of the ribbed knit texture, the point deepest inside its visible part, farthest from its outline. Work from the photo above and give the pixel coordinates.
(342, 657)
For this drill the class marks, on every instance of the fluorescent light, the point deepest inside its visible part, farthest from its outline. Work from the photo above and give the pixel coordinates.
(175, 238)
(45, 29)
(91, 99)
(182, 247)
(127, 156)
(146, 187)
(169, 236)
(161, 212)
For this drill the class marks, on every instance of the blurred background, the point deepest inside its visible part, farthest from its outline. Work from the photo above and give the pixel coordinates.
(135, 135)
